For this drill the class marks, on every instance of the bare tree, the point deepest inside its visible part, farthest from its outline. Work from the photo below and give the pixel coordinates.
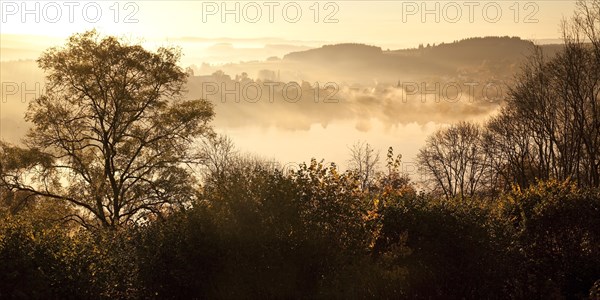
(219, 152)
(577, 71)
(552, 115)
(453, 161)
(509, 151)
(363, 160)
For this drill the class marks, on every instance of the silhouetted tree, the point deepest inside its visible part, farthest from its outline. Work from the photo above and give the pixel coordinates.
(453, 161)
(111, 134)
(219, 153)
(364, 160)
(552, 116)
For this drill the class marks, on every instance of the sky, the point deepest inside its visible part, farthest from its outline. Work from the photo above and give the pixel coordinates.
(230, 31)
(389, 24)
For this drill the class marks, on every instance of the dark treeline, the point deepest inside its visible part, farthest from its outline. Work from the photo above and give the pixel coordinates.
(314, 233)
(122, 190)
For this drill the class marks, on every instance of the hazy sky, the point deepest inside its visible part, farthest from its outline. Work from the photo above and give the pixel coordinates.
(384, 23)
(221, 31)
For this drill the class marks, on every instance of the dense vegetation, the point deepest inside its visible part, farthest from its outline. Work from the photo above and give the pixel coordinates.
(259, 233)
(122, 190)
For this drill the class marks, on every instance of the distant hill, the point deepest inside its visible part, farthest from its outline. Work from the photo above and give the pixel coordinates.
(337, 52)
(477, 49)
(467, 50)
(499, 54)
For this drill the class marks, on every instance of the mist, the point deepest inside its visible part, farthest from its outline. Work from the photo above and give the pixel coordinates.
(283, 90)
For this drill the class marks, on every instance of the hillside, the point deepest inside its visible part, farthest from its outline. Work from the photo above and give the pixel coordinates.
(498, 54)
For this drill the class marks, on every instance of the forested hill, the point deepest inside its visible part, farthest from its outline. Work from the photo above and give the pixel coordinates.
(338, 52)
(475, 49)
(499, 53)
(467, 50)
